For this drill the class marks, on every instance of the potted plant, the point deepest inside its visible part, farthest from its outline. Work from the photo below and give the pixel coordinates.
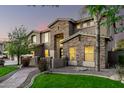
(25, 61)
(42, 64)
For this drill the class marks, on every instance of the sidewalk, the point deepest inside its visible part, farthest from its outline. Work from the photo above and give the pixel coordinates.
(18, 78)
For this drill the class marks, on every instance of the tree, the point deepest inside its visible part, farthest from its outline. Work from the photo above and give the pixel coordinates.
(19, 43)
(99, 12)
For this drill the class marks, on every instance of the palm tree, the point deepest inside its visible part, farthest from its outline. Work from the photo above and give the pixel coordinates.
(98, 12)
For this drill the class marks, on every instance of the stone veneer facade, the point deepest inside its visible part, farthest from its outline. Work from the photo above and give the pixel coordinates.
(80, 42)
(67, 28)
(60, 27)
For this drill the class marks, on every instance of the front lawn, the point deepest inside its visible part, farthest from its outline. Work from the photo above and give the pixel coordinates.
(7, 69)
(73, 81)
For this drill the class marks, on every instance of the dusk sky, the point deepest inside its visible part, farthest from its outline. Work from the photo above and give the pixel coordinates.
(34, 18)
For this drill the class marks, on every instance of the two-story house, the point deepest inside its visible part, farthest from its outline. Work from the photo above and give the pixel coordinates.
(74, 39)
(1, 47)
(77, 41)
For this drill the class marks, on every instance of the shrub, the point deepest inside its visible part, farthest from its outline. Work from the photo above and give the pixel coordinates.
(42, 64)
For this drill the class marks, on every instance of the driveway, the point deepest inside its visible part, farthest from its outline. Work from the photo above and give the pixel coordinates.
(18, 78)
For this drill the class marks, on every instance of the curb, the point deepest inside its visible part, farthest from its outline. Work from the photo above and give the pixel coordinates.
(28, 80)
(33, 78)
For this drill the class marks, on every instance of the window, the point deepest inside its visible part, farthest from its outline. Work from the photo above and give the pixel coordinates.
(58, 27)
(72, 53)
(61, 52)
(46, 37)
(89, 53)
(46, 53)
(88, 24)
(78, 26)
(61, 45)
(33, 39)
(92, 23)
(33, 53)
(84, 25)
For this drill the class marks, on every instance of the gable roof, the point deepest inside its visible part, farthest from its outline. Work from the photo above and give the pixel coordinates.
(33, 31)
(61, 19)
(84, 19)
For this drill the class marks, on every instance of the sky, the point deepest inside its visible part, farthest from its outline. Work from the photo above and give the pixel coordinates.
(33, 18)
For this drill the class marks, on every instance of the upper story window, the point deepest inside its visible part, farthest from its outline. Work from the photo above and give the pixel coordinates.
(84, 25)
(58, 27)
(46, 37)
(92, 23)
(88, 24)
(78, 26)
(33, 39)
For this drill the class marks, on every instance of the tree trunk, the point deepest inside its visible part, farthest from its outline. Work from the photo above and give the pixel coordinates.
(97, 45)
(18, 57)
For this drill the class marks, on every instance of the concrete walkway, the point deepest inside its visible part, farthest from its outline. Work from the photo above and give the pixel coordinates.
(18, 78)
(85, 70)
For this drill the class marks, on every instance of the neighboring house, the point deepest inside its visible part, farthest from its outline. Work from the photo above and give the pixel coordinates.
(1, 48)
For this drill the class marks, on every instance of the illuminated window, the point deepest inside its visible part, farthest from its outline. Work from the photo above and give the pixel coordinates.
(46, 53)
(33, 53)
(46, 37)
(89, 53)
(72, 53)
(33, 39)
(61, 52)
(61, 45)
(78, 26)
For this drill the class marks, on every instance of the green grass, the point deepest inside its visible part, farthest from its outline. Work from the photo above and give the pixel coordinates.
(74, 81)
(7, 69)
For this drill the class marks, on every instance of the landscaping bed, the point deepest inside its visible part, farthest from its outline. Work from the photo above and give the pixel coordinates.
(7, 69)
(74, 81)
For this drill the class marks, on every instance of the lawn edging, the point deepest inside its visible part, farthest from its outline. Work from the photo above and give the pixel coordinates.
(29, 81)
(3, 78)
